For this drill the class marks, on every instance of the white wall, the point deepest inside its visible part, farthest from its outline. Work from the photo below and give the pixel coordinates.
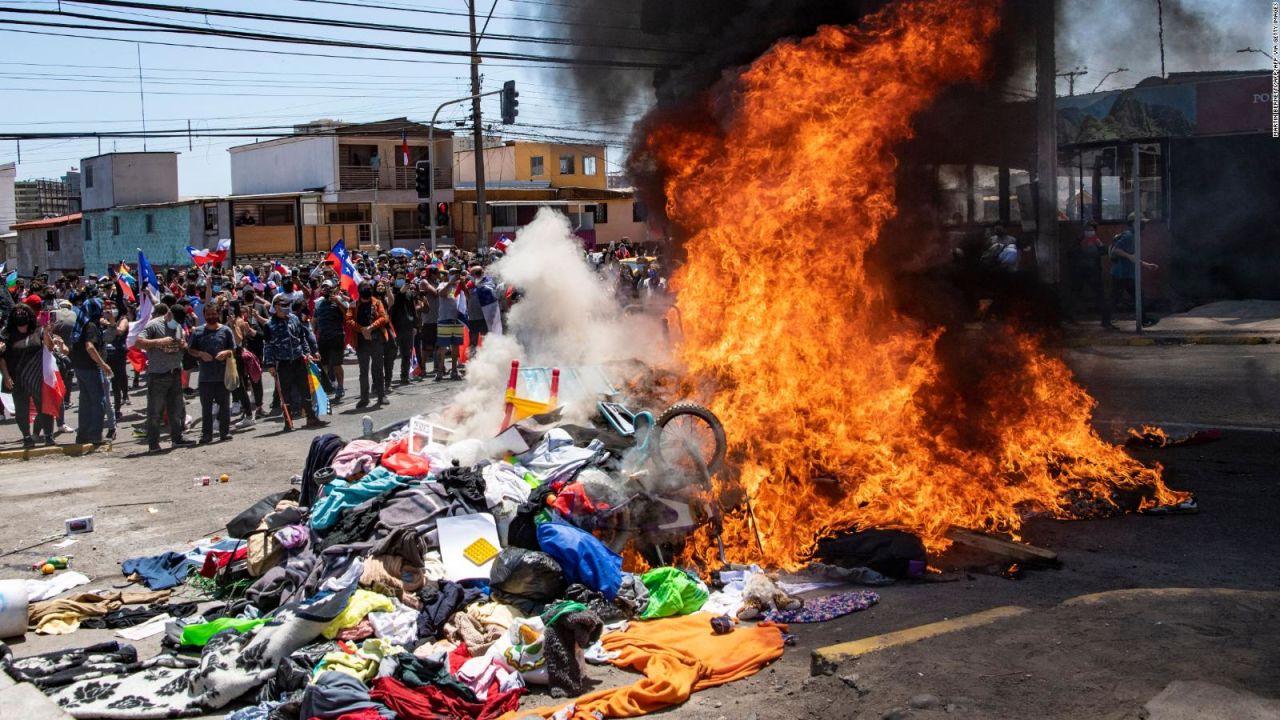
(286, 165)
(8, 210)
(128, 179)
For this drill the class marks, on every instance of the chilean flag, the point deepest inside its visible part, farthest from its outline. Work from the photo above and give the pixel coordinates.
(211, 257)
(404, 146)
(52, 391)
(503, 243)
(280, 268)
(340, 260)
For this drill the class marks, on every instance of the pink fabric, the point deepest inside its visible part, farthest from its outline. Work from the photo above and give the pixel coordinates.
(358, 457)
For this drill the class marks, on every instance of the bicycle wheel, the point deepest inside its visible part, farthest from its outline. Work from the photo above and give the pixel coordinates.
(686, 429)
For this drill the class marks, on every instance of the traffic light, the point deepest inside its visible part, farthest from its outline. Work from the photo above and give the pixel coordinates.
(442, 214)
(424, 214)
(422, 178)
(509, 102)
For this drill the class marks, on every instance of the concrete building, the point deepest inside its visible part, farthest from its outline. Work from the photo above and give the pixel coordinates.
(36, 199)
(522, 176)
(53, 245)
(131, 203)
(8, 211)
(332, 180)
(118, 179)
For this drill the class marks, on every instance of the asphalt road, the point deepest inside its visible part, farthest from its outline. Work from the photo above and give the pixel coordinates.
(146, 504)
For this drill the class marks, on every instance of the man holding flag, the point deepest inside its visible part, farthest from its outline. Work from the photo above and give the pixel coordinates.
(348, 278)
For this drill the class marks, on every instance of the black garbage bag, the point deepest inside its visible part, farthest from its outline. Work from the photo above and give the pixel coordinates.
(889, 552)
(246, 522)
(527, 579)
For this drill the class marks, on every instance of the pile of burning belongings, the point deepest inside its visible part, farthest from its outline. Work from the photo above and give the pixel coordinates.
(412, 579)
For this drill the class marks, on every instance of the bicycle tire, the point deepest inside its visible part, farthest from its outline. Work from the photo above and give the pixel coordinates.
(704, 414)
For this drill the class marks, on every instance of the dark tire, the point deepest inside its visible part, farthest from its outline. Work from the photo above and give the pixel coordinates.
(700, 420)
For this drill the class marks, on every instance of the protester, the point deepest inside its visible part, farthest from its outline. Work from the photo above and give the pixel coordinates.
(476, 326)
(367, 321)
(115, 333)
(287, 350)
(448, 327)
(164, 342)
(428, 312)
(1123, 276)
(21, 364)
(91, 371)
(213, 345)
(330, 324)
(403, 314)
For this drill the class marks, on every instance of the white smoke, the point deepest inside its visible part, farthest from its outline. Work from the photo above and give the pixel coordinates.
(567, 316)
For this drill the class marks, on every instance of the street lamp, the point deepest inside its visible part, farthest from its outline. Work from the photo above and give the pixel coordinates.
(1254, 49)
(1104, 77)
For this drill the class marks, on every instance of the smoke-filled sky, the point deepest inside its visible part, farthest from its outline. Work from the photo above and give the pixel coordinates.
(1103, 35)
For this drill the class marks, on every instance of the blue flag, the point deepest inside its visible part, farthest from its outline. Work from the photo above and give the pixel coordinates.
(145, 273)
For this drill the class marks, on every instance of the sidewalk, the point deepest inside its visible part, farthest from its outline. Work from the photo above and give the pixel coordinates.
(1229, 322)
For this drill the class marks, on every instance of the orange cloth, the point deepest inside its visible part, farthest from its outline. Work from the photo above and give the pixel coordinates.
(397, 458)
(678, 657)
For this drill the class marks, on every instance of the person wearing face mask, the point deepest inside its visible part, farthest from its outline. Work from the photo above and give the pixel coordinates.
(115, 333)
(288, 349)
(91, 371)
(403, 313)
(22, 369)
(164, 342)
(367, 322)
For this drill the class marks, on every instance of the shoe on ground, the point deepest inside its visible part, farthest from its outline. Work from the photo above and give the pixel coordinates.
(63, 430)
(205, 440)
(316, 423)
(439, 378)
(189, 392)
(48, 441)
(28, 442)
(224, 437)
(364, 403)
(1148, 322)
(111, 434)
(183, 442)
(244, 423)
(383, 400)
(154, 449)
(455, 376)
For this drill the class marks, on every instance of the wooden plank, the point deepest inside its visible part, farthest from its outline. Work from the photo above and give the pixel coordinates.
(999, 546)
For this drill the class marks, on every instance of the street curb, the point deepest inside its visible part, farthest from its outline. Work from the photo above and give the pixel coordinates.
(70, 450)
(1167, 340)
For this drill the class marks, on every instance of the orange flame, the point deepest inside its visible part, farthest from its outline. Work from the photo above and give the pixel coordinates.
(814, 376)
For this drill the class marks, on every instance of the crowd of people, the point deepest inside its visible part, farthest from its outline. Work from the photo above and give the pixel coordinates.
(214, 331)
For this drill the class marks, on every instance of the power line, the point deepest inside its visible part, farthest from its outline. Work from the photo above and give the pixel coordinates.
(436, 11)
(151, 26)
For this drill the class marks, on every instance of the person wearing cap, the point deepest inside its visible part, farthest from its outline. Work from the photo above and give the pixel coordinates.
(1123, 273)
(286, 352)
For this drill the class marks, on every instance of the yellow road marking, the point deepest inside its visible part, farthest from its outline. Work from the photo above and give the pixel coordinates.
(833, 654)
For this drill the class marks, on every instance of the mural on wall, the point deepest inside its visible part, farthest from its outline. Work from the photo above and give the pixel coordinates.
(1134, 113)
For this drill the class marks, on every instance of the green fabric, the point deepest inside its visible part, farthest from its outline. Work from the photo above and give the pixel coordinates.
(416, 672)
(564, 607)
(672, 592)
(199, 634)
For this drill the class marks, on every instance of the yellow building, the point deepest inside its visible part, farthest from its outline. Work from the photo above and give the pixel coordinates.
(557, 164)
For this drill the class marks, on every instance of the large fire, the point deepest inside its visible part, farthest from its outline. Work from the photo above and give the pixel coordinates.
(784, 185)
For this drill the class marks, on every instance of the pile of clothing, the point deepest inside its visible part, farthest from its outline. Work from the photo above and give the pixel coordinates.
(401, 584)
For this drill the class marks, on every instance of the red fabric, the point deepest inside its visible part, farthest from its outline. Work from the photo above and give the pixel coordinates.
(215, 560)
(33, 301)
(137, 358)
(362, 714)
(431, 702)
(572, 500)
(398, 460)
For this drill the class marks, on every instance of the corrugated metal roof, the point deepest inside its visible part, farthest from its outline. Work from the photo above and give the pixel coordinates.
(47, 222)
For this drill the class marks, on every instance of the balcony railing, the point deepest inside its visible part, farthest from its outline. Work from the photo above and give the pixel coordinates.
(357, 177)
(406, 178)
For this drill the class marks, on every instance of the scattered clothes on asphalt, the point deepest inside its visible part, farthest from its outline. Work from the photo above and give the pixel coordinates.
(38, 590)
(62, 616)
(62, 667)
(160, 572)
(826, 608)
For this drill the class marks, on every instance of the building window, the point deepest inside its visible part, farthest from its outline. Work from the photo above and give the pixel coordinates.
(639, 213)
(504, 216)
(347, 213)
(566, 164)
(601, 212)
(51, 241)
(88, 229)
(115, 224)
(151, 223)
(88, 176)
(211, 218)
(588, 164)
(277, 214)
(536, 166)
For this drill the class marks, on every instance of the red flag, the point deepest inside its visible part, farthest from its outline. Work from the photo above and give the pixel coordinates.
(126, 290)
(137, 358)
(404, 146)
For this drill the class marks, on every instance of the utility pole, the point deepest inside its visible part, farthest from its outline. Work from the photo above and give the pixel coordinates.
(1071, 78)
(482, 237)
(1047, 251)
(1160, 12)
